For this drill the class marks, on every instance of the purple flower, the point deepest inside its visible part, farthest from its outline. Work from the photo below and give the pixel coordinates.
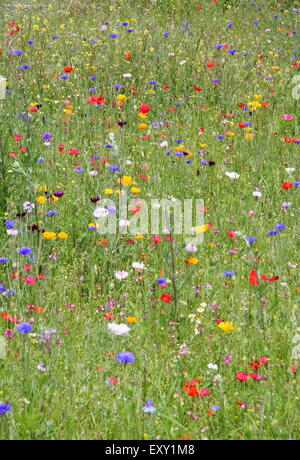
(25, 251)
(10, 223)
(251, 239)
(149, 407)
(4, 407)
(3, 260)
(125, 357)
(24, 328)
(47, 136)
(229, 273)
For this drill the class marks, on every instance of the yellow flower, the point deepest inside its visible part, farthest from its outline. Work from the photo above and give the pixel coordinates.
(201, 229)
(139, 237)
(127, 180)
(121, 97)
(135, 190)
(248, 136)
(63, 235)
(226, 326)
(41, 199)
(49, 235)
(132, 319)
(192, 261)
(143, 126)
(142, 115)
(203, 146)
(108, 191)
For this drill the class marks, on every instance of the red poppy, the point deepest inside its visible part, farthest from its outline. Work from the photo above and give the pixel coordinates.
(144, 108)
(231, 234)
(241, 376)
(68, 69)
(196, 88)
(286, 185)
(209, 412)
(266, 278)
(211, 65)
(253, 278)
(95, 100)
(166, 298)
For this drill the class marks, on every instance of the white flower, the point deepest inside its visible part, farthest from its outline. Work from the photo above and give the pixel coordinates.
(164, 144)
(121, 275)
(12, 232)
(119, 329)
(191, 248)
(138, 266)
(290, 170)
(257, 194)
(100, 212)
(93, 173)
(27, 206)
(213, 366)
(182, 62)
(127, 75)
(124, 223)
(232, 175)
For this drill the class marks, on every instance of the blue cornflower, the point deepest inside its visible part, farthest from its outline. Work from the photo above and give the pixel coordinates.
(229, 25)
(111, 209)
(64, 77)
(55, 37)
(108, 146)
(113, 35)
(149, 407)
(117, 86)
(204, 162)
(114, 168)
(232, 51)
(40, 160)
(125, 357)
(47, 136)
(10, 223)
(125, 23)
(24, 328)
(166, 34)
(255, 23)
(215, 407)
(2, 288)
(25, 67)
(51, 212)
(3, 260)
(4, 407)
(220, 136)
(30, 42)
(17, 52)
(93, 78)
(92, 90)
(161, 280)
(79, 170)
(25, 251)
(152, 82)
(229, 273)
(272, 233)
(130, 30)
(296, 184)
(218, 46)
(251, 239)
(279, 227)
(216, 80)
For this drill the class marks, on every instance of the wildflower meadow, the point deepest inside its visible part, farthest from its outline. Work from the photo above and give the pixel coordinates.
(149, 220)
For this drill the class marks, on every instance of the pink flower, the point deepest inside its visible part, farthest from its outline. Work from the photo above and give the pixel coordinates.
(156, 239)
(255, 376)
(287, 117)
(251, 213)
(227, 360)
(30, 280)
(204, 392)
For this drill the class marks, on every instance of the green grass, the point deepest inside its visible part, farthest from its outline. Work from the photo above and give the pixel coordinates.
(72, 399)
